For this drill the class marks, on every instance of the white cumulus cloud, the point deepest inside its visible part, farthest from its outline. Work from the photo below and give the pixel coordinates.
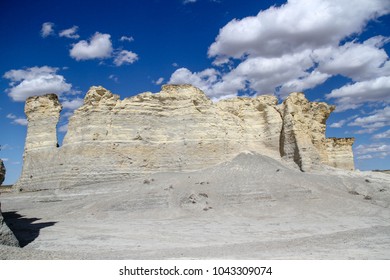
(358, 61)
(20, 121)
(383, 135)
(295, 26)
(72, 104)
(352, 96)
(63, 128)
(205, 80)
(126, 38)
(17, 120)
(114, 78)
(69, 104)
(376, 120)
(47, 29)
(365, 157)
(99, 46)
(70, 33)
(125, 57)
(342, 122)
(338, 124)
(11, 116)
(370, 151)
(299, 46)
(35, 81)
(159, 81)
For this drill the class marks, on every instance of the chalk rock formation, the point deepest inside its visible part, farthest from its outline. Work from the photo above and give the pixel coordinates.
(2, 172)
(303, 130)
(41, 147)
(339, 153)
(177, 129)
(42, 114)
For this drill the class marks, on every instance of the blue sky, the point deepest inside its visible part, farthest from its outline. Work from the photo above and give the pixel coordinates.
(333, 50)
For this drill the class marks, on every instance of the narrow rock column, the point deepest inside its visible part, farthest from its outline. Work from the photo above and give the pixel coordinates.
(303, 134)
(42, 114)
(41, 147)
(340, 154)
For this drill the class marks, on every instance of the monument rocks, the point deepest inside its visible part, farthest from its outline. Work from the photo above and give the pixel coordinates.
(177, 129)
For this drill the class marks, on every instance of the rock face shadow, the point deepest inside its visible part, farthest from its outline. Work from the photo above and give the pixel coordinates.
(24, 229)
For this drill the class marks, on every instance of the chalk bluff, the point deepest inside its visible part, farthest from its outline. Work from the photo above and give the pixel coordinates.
(177, 129)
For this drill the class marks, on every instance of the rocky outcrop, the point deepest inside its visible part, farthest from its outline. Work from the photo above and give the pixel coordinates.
(41, 153)
(2, 172)
(177, 129)
(339, 153)
(260, 121)
(303, 134)
(42, 114)
(6, 235)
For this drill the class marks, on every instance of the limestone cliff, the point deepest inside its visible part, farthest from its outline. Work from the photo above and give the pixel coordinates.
(177, 129)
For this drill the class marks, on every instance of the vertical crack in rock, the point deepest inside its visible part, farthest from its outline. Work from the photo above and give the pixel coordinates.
(302, 138)
(177, 129)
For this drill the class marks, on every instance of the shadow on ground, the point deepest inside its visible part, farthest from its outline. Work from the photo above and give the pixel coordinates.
(24, 229)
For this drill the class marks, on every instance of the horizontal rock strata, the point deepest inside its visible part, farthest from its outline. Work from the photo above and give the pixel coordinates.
(177, 129)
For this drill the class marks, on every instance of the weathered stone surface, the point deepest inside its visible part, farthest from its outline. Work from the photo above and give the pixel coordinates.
(259, 119)
(2, 172)
(42, 114)
(339, 152)
(41, 147)
(177, 129)
(6, 235)
(303, 135)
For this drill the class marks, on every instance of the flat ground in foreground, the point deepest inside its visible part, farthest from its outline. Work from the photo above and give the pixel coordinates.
(252, 207)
